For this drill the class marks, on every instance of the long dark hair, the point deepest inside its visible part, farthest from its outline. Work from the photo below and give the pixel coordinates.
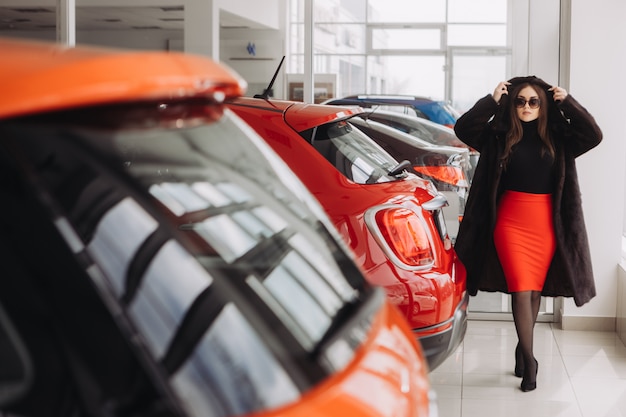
(515, 132)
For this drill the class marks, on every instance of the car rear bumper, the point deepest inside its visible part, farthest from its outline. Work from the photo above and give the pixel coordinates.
(437, 347)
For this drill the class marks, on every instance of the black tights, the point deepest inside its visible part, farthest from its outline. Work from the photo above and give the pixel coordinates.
(525, 311)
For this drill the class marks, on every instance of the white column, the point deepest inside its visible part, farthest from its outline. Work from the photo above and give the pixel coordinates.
(597, 66)
(309, 77)
(202, 28)
(534, 37)
(66, 22)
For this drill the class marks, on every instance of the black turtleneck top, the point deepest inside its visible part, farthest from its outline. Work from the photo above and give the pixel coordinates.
(528, 170)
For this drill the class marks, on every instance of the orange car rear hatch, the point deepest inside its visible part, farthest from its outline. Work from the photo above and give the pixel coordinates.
(40, 77)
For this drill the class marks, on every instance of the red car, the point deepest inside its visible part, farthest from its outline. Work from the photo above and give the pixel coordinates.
(390, 218)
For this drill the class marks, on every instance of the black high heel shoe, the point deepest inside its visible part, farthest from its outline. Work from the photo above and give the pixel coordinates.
(519, 362)
(528, 385)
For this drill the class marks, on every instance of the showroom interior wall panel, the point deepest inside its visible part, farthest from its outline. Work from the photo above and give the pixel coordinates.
(596, 67)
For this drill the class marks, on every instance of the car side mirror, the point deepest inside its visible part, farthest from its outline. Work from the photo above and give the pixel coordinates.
(16, 372)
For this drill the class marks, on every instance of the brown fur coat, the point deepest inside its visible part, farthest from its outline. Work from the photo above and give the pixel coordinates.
(574, 132)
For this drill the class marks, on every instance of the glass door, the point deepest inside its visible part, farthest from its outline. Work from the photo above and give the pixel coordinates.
(497, 306)
(474, 73)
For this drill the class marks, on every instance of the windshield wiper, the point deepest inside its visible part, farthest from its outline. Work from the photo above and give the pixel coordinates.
(401, 167)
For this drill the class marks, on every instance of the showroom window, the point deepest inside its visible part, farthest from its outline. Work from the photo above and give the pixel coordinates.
(444, 49)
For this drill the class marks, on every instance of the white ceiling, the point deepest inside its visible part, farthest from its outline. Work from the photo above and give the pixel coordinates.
(32, 16)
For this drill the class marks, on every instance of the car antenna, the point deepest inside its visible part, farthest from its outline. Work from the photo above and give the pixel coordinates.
(268, 90)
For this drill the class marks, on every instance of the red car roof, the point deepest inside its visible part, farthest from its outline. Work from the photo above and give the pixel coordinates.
(43, 76)
(301, 116)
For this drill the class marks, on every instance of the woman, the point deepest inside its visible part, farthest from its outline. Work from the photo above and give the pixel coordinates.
(523, 231)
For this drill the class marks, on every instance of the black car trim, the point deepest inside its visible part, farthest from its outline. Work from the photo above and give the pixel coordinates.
(17, 373)
(438, 347)
(62, 320)
(353, 318)
(206, 307)
(140, 263)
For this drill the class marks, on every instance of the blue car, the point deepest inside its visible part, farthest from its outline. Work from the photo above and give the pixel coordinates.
(435, 110)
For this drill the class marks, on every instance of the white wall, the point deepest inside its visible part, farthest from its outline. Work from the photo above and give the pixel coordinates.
(620, 322)
(267, 12)
(202, 21)
(270, 44)
(543, 40)
(203, 35)
(257, 70)
(597, 67)
(156, 40)
(535, 38)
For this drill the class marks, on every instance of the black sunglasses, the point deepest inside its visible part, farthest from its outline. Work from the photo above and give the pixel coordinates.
(533, 103)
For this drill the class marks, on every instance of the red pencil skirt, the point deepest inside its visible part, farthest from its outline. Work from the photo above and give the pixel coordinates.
(524, 239)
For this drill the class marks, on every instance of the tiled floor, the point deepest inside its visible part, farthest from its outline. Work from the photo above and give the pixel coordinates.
(581, 374)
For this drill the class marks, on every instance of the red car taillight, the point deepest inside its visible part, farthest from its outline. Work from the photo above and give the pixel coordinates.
(404, 235)
(444, 173)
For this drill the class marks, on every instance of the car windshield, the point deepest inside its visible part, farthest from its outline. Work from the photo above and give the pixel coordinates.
(405, 109)
(418, 127)
(353, 153)
(214, 258)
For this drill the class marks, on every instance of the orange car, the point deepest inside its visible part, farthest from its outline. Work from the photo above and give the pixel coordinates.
(159, 259)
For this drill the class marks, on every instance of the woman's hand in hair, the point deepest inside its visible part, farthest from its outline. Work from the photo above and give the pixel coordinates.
(500, 90)
(559, 93)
